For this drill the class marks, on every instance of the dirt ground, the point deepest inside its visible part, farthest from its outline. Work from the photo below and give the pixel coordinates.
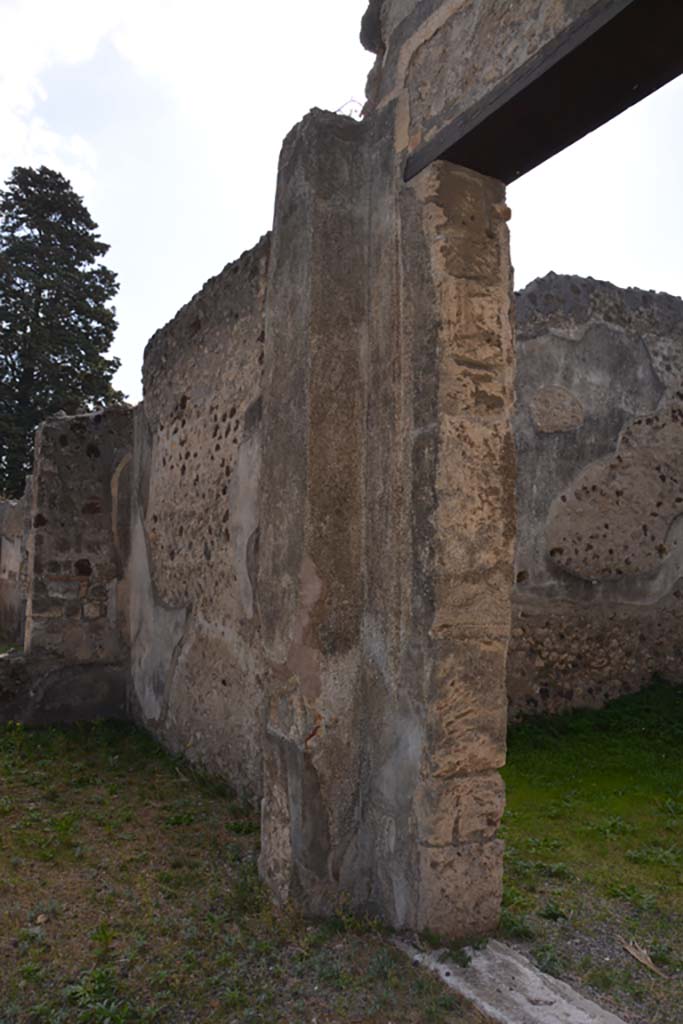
(129, 895)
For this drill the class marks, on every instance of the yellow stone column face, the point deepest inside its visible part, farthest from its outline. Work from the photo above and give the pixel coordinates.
(460, 797)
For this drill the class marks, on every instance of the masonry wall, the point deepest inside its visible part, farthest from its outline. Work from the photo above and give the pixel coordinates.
(322, 517)
(196, 659)
(386, 440)
(440, 58)
(598, 600)
(14, 527)
(78, 545)
(322, 531)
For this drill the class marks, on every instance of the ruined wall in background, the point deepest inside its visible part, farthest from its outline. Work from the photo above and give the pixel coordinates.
(196, 663)
(439, 58)
(598, 601)
(79, 539)
(14, 530)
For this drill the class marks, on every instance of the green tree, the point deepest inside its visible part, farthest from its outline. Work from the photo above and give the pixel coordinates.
(56, 318)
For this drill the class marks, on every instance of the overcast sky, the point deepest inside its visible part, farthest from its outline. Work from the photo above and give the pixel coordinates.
(168, 116)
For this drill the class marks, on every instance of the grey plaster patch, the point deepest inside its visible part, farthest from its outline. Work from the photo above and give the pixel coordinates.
(555, 409)
(244, 502)
(156, 632)
(507, 988)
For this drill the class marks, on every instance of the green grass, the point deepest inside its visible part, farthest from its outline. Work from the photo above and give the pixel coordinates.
(129, 894)
(594, 846)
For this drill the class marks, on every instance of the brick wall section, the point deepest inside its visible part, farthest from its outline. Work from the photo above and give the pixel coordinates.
(78, 545)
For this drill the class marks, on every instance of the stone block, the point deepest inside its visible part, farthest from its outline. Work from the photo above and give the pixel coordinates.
(459, 810)
(63, 590)
(94, 610)
(460, 889)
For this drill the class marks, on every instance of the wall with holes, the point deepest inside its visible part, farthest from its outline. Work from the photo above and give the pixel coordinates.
(598, 604)
(197, 678)
(78, 544)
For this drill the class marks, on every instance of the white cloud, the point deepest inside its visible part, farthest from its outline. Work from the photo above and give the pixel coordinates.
(175, 149)
(35, 36)
(168, 117)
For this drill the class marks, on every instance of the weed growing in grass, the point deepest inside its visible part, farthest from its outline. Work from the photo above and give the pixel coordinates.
(548, 958)
(552, 911)
(632, 894)
(601, 978)
(103, 937)
(656, 853)
(515, 926)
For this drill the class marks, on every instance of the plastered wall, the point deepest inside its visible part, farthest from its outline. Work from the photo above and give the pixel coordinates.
(196, 658)
(14, 529)
(598, 603)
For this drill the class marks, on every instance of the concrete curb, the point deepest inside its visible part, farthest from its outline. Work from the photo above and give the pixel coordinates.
(507, 989)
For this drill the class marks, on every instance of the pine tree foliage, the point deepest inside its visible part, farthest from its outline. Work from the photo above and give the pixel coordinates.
(56, 317)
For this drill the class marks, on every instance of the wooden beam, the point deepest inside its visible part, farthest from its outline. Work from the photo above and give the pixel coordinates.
(614, 56)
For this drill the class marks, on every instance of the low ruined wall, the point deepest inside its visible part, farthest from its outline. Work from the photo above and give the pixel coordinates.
(196, 663)
(79, 539)
(598, 601)
(14, 524)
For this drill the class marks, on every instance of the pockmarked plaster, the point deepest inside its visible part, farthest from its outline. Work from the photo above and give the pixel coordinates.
(599, 434)
(196, 661)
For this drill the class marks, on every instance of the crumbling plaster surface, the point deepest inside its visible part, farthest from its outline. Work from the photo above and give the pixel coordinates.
(599, 435)
(14, 531)
(79, 540)
(439, 58)
(196, 661)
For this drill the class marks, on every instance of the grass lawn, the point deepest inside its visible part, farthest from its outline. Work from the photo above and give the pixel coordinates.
(129, 893)
(594, 834)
